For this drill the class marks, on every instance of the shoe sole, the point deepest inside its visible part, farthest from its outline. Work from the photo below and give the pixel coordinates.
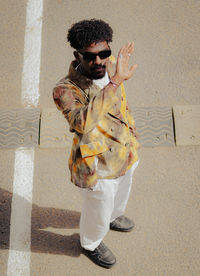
(122, 229)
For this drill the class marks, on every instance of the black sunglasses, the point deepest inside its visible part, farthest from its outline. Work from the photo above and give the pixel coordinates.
(89, 56)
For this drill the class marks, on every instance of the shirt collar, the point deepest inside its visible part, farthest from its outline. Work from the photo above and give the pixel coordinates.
(82, 81)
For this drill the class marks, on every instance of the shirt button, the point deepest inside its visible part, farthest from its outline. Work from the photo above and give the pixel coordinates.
(111, 149)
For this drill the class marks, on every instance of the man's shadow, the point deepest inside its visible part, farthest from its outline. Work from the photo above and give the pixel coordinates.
(42, 241)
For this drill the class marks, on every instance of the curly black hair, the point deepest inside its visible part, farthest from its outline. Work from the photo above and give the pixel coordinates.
(85, 32)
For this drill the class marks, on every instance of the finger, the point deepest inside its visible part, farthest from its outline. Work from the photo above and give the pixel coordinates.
(124, 47)
(128, 49)
(131, 71)
(132, 68)
(131, 45)
(131, 48)
(120, 53)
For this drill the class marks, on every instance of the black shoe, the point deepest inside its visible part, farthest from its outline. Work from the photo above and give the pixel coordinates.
(122, 224)
(101, 256)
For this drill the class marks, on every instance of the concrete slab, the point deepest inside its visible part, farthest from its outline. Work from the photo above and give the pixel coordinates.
(163, 205)
(12, 51)
(187, 124)
(54, 131)
(154, 125)
(55, 215)
(19, 127)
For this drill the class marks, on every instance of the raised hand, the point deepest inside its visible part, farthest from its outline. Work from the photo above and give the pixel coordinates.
(123, 71)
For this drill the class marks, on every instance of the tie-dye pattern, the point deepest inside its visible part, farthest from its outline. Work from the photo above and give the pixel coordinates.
(105, 143)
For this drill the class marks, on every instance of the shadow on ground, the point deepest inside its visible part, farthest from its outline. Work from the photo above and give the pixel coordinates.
(42, 241)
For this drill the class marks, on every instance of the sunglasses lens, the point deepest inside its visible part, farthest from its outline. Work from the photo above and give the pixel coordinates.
(92, 56)
(104, 54)
(89, 56)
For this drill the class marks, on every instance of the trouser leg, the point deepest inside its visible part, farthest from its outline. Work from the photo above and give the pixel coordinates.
(123, 192)
(101, 205)
(96, 212)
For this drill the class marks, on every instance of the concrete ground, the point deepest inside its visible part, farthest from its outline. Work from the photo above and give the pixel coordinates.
(164, 201)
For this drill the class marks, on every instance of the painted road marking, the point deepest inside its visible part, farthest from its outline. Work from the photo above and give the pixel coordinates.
(20, 230)
(32, 53)
(20, 226)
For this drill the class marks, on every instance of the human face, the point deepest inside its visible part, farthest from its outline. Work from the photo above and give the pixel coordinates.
(94, 69)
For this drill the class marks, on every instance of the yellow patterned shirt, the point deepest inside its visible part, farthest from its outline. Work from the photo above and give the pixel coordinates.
(104, 143)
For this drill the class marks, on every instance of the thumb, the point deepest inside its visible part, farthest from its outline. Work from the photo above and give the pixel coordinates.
(131, 71)
(133, 67)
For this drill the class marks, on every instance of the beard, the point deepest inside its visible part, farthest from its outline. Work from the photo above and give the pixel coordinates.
(98, 71)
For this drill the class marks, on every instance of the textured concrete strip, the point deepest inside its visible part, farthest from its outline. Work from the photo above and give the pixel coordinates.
(154, 125)
(187, 124)
(54, 131)
(19, 127)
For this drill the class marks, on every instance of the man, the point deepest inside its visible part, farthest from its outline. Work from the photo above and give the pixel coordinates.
(104, 151)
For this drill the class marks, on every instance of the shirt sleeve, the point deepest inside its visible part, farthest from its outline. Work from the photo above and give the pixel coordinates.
(83, 114)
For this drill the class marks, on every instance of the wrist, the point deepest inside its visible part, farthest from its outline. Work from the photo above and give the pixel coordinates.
(116, 80)
(115, 85)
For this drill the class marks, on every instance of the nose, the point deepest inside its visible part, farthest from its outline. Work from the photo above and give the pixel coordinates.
(97, 60)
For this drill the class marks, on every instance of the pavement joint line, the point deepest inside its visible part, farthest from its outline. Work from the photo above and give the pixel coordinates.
(174, 126)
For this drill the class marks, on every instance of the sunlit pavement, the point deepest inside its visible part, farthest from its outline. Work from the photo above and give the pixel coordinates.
(39, 207)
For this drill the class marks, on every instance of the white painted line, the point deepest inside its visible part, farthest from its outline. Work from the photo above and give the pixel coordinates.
(21, 208)
(32, 53)
(20, 230)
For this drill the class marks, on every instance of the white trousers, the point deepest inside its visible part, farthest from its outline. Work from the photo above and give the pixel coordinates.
(102, 204)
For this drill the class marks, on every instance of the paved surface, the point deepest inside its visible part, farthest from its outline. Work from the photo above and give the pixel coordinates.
(164, 201)
(19, 127)
(187, 129)
(48, 129)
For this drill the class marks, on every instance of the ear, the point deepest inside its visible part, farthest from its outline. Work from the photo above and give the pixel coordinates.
(76, 55)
